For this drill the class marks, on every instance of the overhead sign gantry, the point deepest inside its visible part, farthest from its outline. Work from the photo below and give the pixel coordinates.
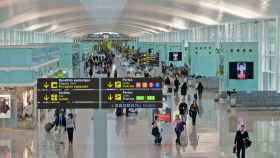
(72, 93)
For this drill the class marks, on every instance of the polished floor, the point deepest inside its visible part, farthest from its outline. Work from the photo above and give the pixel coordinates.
(130, 137)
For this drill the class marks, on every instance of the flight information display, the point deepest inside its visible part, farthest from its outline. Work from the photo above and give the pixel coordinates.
(131, 92)
(55, 93)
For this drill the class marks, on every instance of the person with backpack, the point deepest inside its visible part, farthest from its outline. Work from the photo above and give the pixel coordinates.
(241, 142)
(70, 126)
(199, 89)
(193, 112)
(156, 131)
(178, 130)
(183, 110)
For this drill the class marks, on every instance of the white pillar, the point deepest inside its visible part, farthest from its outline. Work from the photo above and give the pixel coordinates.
(277, 59)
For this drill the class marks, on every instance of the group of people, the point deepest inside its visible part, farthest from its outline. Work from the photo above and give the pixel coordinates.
(62, 124)
(241, 141)
(101, 63)
(180, 120)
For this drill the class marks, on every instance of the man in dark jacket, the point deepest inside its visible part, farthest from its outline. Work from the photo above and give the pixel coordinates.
(176, 84)
(184, 88)
(241, 137)
(183, 109)
(199, 90)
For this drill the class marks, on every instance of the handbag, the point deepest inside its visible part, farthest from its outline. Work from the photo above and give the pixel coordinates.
(248, 143)
(234, 149)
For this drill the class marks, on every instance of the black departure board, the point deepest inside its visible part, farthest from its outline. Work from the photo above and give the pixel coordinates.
(131, 92)
(55, 93)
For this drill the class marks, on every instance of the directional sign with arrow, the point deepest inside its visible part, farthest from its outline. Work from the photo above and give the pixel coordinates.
(46, 85)
(110, 85)
(46, 97)
(110, 97)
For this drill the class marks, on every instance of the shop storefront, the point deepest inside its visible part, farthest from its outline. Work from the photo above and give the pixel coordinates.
(17, 107)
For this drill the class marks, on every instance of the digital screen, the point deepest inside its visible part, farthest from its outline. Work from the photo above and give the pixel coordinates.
(175, 56)
(241, 70)
(53, 93)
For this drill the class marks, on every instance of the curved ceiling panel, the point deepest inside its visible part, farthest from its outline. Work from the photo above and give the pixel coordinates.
(76, 17)
(102, 26)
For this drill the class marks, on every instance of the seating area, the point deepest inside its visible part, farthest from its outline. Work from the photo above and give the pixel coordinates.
(254, 99)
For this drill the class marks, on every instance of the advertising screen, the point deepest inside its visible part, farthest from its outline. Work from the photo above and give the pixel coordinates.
(175, 56)
(241, 70)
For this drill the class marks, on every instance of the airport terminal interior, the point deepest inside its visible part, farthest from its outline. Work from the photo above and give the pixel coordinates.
(139, 78)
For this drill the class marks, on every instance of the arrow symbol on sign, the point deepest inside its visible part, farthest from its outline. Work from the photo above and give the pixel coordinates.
(110, 97)
(46, 85)
(110, 85)
(46, 97)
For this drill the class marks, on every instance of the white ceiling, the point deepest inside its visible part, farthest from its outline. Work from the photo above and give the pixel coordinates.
(130, 17)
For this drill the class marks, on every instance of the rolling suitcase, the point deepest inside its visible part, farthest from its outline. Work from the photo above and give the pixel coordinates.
(49, 126)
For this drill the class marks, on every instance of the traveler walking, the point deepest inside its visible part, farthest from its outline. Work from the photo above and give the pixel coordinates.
(70, 126)
(183, 110)
(90, 73)
(156, 131)
(115, 73)
(176, 84)
(176, 120)
(184, 89)
(193, 112)
(199, 89)
(178, 130)
(241, 142)
(60, 126)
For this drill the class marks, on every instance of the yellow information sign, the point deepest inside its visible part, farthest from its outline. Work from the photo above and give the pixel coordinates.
(118, 97)
(118, 84)
(54, 97)
(54, 85)
(46, 97)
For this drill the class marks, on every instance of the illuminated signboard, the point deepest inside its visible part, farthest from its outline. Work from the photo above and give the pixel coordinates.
(53, 93)
(131, 92)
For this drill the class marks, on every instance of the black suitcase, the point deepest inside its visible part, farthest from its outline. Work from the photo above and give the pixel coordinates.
(49, 126)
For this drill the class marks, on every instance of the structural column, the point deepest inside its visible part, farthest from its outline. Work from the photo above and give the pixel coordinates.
(100, 130)
(277, 59)
(100, 134)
